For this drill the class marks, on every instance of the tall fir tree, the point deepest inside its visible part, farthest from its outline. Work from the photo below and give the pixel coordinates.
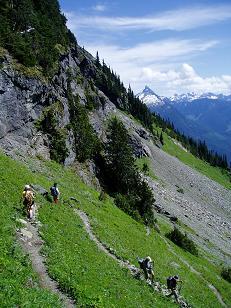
(133, 195)
(119, 157)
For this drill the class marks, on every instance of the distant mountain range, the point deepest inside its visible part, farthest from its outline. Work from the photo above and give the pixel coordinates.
(205, 117)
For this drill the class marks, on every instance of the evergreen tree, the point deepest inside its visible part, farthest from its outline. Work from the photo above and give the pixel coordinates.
(132, 194)
(97, 62)
(87, 144)
(119, 157)
(145, 168)
(32, 30)
(161, 138)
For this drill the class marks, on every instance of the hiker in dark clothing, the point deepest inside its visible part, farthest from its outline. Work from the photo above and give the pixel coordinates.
(146, 265)
(55, 192)
(172, 282)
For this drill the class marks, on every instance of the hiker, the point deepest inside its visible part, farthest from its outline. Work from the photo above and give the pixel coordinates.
(146, 265)
(55, 192)
(172, 282)
(28, 200)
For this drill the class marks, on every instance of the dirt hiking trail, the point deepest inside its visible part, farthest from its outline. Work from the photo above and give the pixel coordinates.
(32, 243)
(192, 269)
(132, 268)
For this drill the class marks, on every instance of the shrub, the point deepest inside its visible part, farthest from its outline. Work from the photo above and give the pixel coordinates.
(145, 168)
(48, 124)
(226, 274)
(127, 204)
(182, 241)
(180, 190)
(87, 144)
(102, 196)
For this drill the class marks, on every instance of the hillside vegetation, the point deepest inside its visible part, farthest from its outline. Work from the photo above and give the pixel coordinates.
(34, 32)
(83, 271)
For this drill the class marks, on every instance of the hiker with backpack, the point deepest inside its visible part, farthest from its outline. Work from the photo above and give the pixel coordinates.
(146, 265)
(55, 192)
(172, 282)
(28, 200)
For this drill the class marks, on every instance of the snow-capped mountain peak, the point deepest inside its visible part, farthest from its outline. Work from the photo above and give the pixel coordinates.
(148, 91)
(148, 97)
(204, 116)
(192, 96)
(189, 97)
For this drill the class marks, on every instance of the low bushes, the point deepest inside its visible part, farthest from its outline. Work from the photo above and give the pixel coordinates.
(226, 274)
(182, 241)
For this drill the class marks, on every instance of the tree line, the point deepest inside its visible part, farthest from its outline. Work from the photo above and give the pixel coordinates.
(110, 84)
(197, 147)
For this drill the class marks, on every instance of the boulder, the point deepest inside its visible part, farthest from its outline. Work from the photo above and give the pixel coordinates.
(139, 149)
(39, 189)
(142, 133)
(26, 233)
(22, 221)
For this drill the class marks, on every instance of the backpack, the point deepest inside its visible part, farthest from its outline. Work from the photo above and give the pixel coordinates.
(54, 191)
(171, 282)
(29, 197)
(148, 265)
(141, 263)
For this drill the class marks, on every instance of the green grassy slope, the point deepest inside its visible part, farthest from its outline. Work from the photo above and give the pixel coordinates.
(85, 272)
(203, 167)
(18, 283)
(91, 277)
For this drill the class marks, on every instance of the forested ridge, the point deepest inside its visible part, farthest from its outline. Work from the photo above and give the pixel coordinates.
(197, 147)
(34, 32)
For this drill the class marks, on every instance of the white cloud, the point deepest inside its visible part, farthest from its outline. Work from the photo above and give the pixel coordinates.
(185, 79)
(148, 53)
(99, 8)
(160, 65)
(178, 20)
(156, 62)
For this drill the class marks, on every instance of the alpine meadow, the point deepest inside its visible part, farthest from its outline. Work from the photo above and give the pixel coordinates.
(104, 200)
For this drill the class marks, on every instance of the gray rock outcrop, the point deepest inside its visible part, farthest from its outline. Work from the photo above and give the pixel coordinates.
(23, 97)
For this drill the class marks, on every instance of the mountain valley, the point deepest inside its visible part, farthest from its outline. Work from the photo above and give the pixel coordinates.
(205, 117)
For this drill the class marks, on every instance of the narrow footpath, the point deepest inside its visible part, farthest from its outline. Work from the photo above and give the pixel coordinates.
(192, 269)
(132, 268)
(32, 243)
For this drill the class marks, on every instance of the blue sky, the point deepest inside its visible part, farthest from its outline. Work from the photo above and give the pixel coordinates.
(173, 46)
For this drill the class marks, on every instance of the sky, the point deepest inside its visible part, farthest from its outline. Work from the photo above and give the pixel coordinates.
(173, 46)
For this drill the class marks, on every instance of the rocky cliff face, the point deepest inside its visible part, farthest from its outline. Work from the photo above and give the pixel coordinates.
(24, 95)
(22, 100)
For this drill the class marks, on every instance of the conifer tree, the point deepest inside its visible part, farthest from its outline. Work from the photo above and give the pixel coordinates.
(119, 157)
(133, 195)
(97, 60)
(161, 138)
